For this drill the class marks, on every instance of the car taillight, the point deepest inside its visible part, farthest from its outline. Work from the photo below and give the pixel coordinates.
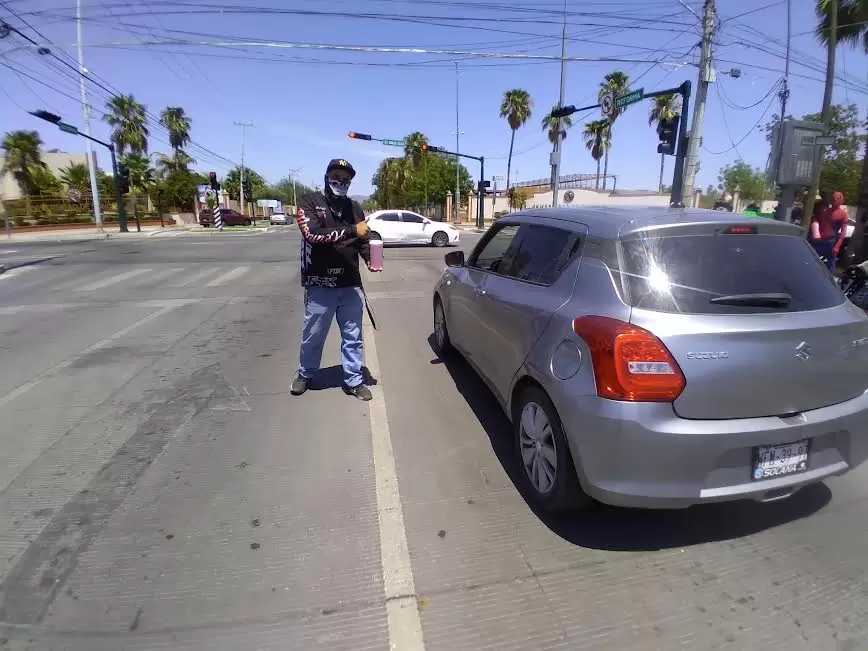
(630, 363)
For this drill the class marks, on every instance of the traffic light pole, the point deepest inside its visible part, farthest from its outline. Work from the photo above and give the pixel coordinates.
(71, 129)
(681, 148)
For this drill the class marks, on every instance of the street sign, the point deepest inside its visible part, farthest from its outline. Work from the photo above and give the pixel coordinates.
(68, 128)
(824, 141)
(629, 98)
(393, 143)
(607, 104)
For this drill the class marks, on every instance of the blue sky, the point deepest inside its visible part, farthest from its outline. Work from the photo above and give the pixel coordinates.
(303, 102)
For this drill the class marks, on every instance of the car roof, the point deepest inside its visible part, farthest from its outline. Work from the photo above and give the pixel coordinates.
(614, 222)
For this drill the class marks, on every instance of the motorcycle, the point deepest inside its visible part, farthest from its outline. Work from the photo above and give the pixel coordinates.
(854, 284)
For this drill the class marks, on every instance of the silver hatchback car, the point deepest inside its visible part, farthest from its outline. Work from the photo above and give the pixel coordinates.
(660, 358)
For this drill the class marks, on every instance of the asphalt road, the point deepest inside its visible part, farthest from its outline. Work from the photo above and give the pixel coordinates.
(160, 488)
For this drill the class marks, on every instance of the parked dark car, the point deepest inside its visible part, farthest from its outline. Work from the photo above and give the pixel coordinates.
(230, 218)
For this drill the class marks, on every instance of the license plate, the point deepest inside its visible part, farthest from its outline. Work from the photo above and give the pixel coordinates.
(771, 461)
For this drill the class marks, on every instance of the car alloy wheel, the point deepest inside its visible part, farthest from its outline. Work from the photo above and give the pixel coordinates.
(440, 239)
(539, 451)
(441, 333)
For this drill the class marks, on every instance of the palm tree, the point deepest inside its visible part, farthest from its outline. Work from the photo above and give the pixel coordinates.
(665, 107)
(550, 126)
(178, 125)
(850, 18)
(516, 107)
(618, 83)
(178, 162)
(142, 176)
(596, 135)
(76, 175)
(129, 124)
(22, 157)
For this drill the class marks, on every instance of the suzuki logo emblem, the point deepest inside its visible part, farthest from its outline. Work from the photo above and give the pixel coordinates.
(803, 351)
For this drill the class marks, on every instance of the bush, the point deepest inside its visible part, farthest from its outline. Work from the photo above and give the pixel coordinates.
(20, 221)
(42, 221)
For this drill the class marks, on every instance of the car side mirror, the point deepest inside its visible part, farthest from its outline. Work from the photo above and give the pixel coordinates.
(454, 259)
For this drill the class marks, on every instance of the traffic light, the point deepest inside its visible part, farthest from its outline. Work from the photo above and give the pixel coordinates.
(124, 178)
(246, 188)
(427, 147)
(483, 185)
(563, 111)
(667, 132)
(359, 136)
(212, 178)
(45, 115)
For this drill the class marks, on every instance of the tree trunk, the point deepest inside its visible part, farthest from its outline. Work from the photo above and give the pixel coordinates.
(662, 166)
(597, 185)
(605, 168)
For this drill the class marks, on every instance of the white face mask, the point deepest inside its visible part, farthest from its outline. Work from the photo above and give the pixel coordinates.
(338, 188)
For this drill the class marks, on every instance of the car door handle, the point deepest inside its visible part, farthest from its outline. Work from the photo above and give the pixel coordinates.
(478, 292)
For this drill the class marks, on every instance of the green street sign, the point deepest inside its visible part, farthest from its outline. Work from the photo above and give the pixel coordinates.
(68, 128)
(629, 98)
(393, 143)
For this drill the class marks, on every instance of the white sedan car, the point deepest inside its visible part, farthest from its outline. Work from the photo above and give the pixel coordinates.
(405, 227)
(279, 219)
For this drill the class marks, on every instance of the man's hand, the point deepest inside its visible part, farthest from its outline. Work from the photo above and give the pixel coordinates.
(362, 229)
(372, 270)
(837, 248)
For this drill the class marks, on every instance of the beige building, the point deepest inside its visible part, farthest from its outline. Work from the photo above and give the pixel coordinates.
(54, 160)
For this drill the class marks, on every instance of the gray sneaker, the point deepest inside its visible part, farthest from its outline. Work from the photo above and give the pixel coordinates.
(360, 391)
(299, 385)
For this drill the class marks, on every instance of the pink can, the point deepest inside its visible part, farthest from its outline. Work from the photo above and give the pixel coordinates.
(376, 255)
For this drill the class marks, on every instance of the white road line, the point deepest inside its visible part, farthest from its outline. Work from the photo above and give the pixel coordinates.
(159, 276)
(72, 360)
(402, 607)
(8, 252)
(237, 272)
(112, 280)
(17, 271)
(193, 278)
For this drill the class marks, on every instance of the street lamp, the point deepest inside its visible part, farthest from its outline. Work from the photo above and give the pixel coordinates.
(72, 129)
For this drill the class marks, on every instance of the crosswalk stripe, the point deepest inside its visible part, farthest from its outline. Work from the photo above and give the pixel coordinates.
(237, 272)
(158, 277)
(17, 271)
(112, 280)
(193, 278)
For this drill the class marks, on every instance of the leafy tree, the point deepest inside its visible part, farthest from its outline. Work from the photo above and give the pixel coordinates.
(76, 175)
(179, 161)
(22, 157)
(256, 183)
(142, 177)
(44, 182)
(129, 124)
(516, 108)
(749, 181)
(518, 199)
(288, 191)
(177, 189)
(664, 107)
(618, 83)
(596, 135)
(550, 126)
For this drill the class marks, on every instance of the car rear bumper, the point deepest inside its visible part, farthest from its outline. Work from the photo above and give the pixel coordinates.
(644, 455)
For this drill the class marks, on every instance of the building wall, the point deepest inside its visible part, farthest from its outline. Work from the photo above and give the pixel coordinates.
(55, 161)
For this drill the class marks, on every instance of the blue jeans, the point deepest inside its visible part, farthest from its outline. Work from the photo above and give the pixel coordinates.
(826, 249)
(345, 305)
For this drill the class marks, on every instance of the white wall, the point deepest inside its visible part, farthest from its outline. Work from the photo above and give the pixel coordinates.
(55, 161)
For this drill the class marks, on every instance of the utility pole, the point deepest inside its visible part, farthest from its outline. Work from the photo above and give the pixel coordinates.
(85, 116)
(243, 126)
(457, 149)
(705, 72)
(292, 174)
(556, 147)
(827, 113)
(785, 205)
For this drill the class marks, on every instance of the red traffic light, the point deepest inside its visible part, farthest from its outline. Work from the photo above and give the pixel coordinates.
(359, 136)
(212, 175)
(427, 147)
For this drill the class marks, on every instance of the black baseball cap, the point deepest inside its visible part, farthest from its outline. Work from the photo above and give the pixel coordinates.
(340, 164)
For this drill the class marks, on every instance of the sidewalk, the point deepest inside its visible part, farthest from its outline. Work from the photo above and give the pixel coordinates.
(87, 234)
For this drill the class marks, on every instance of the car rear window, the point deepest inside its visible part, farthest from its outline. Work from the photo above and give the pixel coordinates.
(682, 274)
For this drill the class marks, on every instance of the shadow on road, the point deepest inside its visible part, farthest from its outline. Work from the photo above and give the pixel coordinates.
(332, 377)
(620, 529)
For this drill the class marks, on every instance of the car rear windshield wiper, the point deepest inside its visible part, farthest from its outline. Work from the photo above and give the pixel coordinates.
(753, 300)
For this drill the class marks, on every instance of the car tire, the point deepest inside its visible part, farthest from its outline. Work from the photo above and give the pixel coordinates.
(859, 298)
(441, 332)
(247, 222)
(375, 236)
(440, 239)
(535, 411)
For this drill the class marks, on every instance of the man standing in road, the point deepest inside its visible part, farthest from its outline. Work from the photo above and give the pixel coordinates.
(830, 231)
(334, 234)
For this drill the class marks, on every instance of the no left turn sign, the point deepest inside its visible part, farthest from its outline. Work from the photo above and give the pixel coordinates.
(607, 104)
